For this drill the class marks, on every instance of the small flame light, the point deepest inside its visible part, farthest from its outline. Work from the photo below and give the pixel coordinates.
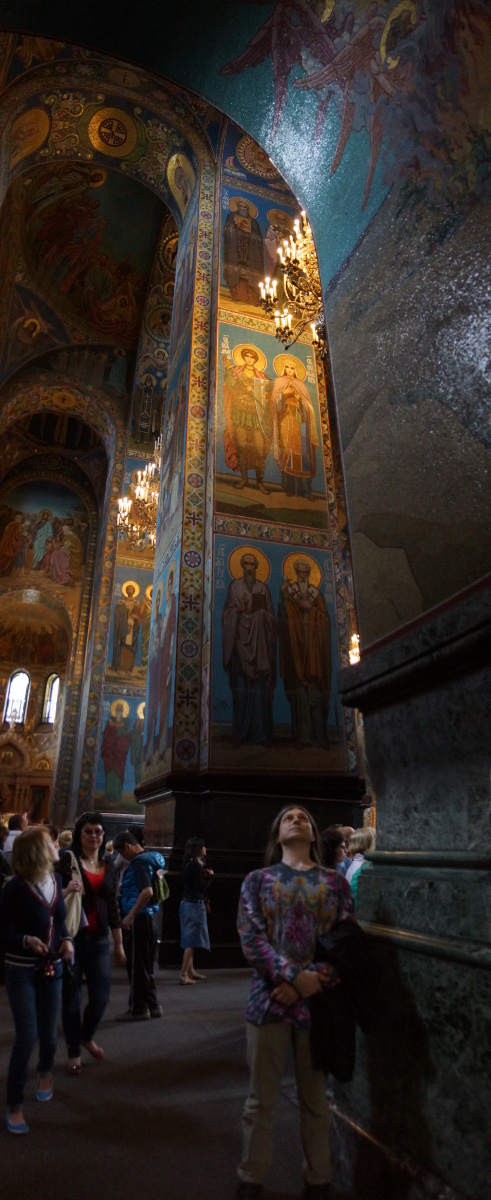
(354, 649)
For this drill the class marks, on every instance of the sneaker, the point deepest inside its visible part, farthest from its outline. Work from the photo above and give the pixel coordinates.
(249, 1191)
(131, 1016)
(157, 1011)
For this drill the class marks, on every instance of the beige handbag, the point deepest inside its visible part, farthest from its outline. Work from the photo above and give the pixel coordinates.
(73, 902)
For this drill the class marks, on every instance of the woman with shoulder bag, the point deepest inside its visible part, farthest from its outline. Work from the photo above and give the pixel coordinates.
(95, 900)
(33, 929)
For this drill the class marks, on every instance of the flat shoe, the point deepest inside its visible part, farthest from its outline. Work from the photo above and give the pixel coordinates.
(24, 1128)
(97, 1051)
(74, 1068)
(44, 1093)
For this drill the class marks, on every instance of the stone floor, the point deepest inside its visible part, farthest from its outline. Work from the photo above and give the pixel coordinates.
(160, 1118)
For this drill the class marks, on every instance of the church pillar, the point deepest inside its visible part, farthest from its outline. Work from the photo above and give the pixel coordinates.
(252, 600)
(426, 902)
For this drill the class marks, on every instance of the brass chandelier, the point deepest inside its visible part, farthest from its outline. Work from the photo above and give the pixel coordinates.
(137, 514)
(297, 260)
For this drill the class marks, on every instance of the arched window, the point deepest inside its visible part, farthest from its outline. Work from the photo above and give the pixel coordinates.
(51, 698)
(17, 697)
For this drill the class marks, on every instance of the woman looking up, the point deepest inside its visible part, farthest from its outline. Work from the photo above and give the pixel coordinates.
(196, 878)
(87, 865)
(33, 929)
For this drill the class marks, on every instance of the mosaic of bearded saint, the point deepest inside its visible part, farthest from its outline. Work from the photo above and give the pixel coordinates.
(304, 633)
(249, 648)
(116, 741)
(128, 616)
(243, 251)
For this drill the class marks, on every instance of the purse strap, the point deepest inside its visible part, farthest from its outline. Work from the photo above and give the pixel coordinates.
(76, 872)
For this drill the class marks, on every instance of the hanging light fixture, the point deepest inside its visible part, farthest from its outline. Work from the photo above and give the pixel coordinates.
(137, 515)
(297, 261)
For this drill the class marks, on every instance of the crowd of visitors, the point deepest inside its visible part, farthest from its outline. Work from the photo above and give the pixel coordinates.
(62, 895)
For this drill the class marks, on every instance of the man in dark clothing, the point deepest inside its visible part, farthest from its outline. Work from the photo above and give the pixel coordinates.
(139, 924)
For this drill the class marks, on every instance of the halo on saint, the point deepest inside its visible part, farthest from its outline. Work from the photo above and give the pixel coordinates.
(159, 591)
(289, 568)
(406, 14)
(130, 583)
(172, 571)
(97, 177)
(140, 712)
(289, 360)
(149, 591)
(236, 200)
(239, 351)
(277, 215)
(124, 705)
(263, 569)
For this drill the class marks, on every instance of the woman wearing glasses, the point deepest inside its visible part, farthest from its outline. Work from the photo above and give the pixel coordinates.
(87, 865)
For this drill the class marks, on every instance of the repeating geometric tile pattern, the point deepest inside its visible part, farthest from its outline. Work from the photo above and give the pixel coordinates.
(187, 701)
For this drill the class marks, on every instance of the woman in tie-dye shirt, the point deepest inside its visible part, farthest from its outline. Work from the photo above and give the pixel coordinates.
(283, 910)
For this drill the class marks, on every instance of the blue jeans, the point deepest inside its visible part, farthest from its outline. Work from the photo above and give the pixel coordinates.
(34, 1001)
(92, 959)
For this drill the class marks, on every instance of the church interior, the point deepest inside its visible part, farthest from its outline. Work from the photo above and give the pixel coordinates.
(177, 451)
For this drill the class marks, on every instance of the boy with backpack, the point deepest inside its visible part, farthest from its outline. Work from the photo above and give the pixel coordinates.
(143, 889)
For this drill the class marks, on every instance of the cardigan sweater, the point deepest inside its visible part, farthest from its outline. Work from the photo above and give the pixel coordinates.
(25, 913)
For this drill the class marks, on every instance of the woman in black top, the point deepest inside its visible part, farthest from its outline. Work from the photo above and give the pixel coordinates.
(196, 878)
(100, 913)
(33, 930)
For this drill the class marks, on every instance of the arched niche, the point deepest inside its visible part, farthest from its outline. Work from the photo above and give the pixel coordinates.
(37, 632)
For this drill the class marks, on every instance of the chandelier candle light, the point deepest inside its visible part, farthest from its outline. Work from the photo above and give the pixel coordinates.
(297, 260)
(140, 526)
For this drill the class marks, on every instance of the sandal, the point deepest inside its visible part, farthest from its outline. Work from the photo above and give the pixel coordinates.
(184, 979)
(196, 975)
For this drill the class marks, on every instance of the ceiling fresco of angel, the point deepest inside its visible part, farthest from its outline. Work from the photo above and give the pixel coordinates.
(380, 66)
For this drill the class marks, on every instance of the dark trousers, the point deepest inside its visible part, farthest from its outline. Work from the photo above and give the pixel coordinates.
(92, 959)
(140, 945)
(35, 1002)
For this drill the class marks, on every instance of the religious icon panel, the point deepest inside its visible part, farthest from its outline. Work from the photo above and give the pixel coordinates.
(269, 453)
(275, 659)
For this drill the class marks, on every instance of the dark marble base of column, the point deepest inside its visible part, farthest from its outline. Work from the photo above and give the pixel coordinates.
(365, 1168)
(421, 1086)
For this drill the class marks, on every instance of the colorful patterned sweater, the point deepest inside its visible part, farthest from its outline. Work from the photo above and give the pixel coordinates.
(282, 913)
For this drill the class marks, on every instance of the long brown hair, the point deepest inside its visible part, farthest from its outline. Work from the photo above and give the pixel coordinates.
(273, 849)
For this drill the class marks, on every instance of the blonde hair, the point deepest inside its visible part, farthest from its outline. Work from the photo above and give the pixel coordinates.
(31, 858)
(65, 839)
(361, 841)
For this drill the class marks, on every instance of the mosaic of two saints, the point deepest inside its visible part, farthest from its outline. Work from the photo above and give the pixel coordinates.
(271, 440)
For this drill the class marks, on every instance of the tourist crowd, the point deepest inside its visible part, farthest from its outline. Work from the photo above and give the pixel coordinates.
(62, 896)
